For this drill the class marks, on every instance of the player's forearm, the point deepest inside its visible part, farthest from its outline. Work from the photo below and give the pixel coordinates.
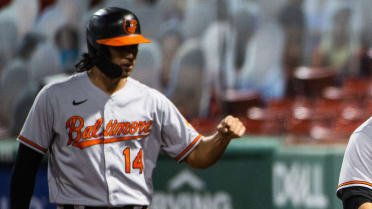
(208, 152)
(20, 191)
(366, 205)
(23, 177)
(211, 148)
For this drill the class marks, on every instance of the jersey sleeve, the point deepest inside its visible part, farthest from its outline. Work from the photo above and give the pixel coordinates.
(37, 131)
(356, 169)
(179, 138)
(354, 197)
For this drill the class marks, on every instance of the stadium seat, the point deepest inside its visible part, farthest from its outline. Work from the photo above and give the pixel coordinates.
(205, 126)
(310, 81)
(262, 121)
(300, 118)
(237, 102)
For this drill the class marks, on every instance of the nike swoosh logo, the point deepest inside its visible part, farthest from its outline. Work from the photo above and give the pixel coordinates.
(78, 103)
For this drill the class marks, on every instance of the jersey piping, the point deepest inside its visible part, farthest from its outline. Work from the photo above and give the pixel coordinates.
(32, 144)
(189, 148)
(350, 183)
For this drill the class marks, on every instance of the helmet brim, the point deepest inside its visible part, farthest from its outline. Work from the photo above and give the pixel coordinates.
(124, 40)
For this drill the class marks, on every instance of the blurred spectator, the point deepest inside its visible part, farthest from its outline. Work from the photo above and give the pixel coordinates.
(63, 12)
(170, 39)
(218, 45)
(67, 42)
(23, 14)
(95, 3)
(263, 67)
(44, 61)
(269, 10)
(23, 102)
(24, 52)
(365, 55)
(292, 20)
(240, 44)
(8, 41)
(148, 11)
(173, 9)
(93, 6)
(45, 4)
(198, 16)
(148, 65)
(187, 90)
(245, 24)
(15, 76)
(28, 45)
(262, 70)
(317, 18)
(21, 106)
(337, 49)
(13, 80)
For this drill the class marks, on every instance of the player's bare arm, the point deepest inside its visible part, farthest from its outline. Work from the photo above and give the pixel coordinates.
(211, 148)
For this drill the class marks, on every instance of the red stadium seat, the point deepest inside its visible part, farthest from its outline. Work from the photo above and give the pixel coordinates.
(237, 102)
(262, 121)
(310, 81)
(205, 126)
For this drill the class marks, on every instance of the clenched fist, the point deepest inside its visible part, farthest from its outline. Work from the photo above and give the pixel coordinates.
(231, 127)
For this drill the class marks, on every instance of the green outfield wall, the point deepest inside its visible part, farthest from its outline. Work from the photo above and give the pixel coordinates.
(254, 173)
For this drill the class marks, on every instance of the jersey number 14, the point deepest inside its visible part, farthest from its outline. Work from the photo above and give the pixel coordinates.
(137, 162)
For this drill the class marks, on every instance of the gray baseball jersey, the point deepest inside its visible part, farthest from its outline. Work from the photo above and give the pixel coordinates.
(103, 148)
(356, 167)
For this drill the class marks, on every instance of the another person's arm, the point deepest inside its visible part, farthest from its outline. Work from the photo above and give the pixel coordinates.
(366, 205)
(355, 180)
(211, 148)
(23, 177)
(356, 197)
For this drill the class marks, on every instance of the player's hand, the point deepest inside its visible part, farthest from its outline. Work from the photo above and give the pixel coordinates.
(231, 127)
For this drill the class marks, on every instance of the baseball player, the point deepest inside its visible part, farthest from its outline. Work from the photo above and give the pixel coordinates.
(355, 182)
(104, 130)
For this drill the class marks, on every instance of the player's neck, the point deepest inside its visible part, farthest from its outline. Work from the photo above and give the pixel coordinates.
(106, 84)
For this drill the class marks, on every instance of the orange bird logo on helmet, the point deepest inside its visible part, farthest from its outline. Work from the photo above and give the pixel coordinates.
(130, 26)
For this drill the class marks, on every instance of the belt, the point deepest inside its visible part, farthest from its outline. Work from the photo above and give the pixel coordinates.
(101, 207)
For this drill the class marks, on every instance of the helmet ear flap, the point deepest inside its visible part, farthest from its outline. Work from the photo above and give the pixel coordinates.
(100, 57)
(98, 51)
(95, 49)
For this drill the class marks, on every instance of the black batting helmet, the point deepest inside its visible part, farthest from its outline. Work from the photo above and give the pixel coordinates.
(112, 26)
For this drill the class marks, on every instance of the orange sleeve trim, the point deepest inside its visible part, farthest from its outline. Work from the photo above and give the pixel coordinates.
(32, 144)
(354, 182)
(188, 148)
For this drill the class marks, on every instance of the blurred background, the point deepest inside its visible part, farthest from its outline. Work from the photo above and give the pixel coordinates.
(287, 67)
(297, 72)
